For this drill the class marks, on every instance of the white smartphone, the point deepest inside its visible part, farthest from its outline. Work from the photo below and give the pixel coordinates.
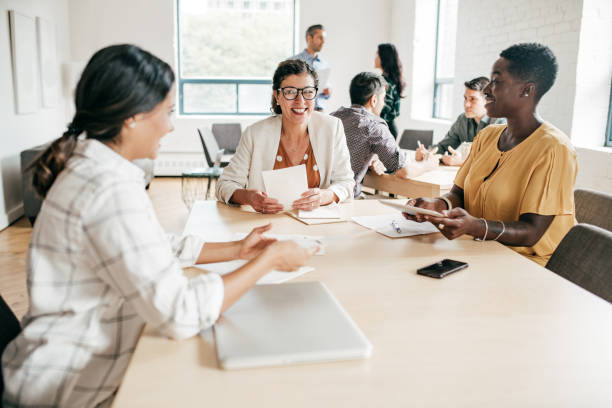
(411, 210)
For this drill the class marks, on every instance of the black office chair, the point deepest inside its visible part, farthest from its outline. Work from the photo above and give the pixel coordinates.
(409, 138)
(9, 329)
(584, 257)
(212, 152)
(227, 136)
(593, 207)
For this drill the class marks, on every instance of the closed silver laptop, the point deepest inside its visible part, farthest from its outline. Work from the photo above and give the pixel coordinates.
(287, 324)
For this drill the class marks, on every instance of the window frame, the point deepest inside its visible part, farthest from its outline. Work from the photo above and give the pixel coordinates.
(438, 82)
(609, 127)
(221, 80)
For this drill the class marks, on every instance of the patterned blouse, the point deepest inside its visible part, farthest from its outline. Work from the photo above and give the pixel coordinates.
(392, 102)
(312, 170)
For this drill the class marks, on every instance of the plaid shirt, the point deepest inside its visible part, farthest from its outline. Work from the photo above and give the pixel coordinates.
(99, 267)
(366, 135)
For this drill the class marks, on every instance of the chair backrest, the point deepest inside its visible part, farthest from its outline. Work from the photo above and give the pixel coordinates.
(227, 135)
(9, 329)
(593, 207)
(212, 153)
(584, 257)
(409, 138)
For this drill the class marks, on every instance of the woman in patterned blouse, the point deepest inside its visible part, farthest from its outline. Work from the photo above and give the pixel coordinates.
(388, 61)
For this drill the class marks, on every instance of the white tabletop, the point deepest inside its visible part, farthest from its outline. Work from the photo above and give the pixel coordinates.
(504, 332)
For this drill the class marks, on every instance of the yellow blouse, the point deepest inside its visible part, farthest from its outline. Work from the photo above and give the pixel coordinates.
(536, 176)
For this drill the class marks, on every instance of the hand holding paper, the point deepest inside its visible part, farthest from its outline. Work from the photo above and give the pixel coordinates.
(286, 185)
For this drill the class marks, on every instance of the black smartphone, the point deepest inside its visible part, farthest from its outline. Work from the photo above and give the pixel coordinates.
(442, 268)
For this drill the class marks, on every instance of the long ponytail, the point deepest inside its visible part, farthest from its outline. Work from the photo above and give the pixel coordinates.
(51, 162)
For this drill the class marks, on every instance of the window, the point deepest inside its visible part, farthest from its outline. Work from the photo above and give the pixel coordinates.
(444, 68)
(609, 128)
(227, 53)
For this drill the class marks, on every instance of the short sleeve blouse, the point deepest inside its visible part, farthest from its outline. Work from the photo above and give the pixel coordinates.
(536, 176)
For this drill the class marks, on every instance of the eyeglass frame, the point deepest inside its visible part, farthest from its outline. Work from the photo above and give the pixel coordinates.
(299, 90)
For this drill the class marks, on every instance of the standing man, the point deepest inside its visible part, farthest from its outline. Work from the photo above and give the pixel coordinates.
(467, 125)
(367, 134)
(315, 38)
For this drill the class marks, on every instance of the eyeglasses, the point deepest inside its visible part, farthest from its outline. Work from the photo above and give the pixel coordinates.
(290, 93)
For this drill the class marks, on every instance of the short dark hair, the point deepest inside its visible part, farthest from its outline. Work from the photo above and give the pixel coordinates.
(364, 85)
(285, 69)
(532, 62)
(313, 29)
(477, 84)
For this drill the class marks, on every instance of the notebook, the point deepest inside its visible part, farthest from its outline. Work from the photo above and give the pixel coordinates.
(287, 324)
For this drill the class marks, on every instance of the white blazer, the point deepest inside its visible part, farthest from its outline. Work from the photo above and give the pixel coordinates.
(257, 150)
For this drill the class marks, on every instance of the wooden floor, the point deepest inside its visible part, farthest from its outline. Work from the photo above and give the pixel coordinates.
(14, 240)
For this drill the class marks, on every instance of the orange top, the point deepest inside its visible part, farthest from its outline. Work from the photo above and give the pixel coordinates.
(312, 170)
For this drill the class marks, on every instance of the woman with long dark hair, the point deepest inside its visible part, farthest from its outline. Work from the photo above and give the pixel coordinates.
(388, 61)
(99, 265)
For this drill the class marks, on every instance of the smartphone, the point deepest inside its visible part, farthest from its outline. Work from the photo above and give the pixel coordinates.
(442, 268)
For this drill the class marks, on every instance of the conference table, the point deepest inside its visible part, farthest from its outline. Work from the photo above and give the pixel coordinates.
(430, 184)
(504, 332)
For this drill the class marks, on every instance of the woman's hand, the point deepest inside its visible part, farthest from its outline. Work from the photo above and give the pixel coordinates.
(262, 203)
(287, 255)
(254, 243)
(456, 223)
(434, 204)
(311, 199)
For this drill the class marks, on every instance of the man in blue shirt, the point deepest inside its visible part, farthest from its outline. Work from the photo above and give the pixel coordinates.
(315, 38)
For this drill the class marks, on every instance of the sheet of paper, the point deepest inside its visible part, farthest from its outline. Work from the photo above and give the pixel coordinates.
(305, 241)
(314, 221)
(323, 78)
(324, 212)
(383, 224)
(286, 185)
(223, 268)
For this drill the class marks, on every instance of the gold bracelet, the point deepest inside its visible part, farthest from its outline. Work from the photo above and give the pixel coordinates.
(503, 230)
(486, 231)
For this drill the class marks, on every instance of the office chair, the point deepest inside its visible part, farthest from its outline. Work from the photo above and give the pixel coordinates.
(212, 152)
(227, 135)
(10, 328)
(409, 138)
(593, 207)
(584, 257)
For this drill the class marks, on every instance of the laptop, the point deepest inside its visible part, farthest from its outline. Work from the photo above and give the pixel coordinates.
(291, 323)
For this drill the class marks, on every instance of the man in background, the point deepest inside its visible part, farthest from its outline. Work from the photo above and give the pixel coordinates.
(467, 125)
(315, 38)
(367, 134)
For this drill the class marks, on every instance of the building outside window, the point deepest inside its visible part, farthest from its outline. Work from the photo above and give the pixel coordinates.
(227, 54)
(444, 70)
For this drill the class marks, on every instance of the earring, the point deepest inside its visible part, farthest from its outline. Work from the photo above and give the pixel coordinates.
(132, 125)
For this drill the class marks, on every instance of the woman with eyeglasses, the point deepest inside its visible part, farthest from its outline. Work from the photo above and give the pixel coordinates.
(295, 135)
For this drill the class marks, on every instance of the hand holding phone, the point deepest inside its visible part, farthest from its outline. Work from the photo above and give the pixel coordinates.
(442, 268)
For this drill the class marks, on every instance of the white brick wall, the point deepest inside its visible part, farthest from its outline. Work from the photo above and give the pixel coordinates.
(580, 34)
(485, 31)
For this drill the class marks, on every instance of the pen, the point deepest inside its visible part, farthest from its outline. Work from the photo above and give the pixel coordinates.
(396, 227)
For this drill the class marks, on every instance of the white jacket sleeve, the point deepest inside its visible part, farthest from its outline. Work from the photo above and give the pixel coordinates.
(342, 177)
(236, 175)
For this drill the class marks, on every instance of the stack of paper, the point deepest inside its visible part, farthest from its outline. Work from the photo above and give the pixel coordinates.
(331, 211)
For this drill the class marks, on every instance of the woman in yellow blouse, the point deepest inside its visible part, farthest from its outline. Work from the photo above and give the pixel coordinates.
(517, 184)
